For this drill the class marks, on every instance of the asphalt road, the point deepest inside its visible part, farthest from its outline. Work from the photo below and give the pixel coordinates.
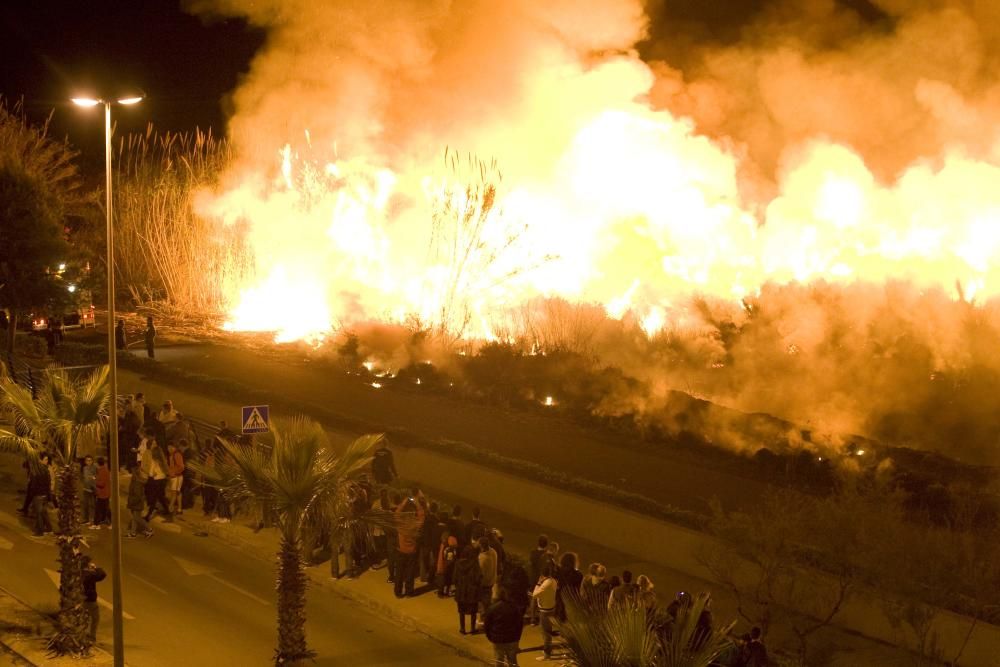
(197, 601)
(539, 436)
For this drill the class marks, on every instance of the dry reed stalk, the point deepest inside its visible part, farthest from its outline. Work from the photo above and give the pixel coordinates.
(166, 251)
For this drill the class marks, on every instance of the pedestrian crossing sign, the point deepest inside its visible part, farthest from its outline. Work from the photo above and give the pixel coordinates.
(256, 419)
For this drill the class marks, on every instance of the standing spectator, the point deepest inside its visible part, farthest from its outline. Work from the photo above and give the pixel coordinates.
(468, 581)
(154, 465)
(392, 543)
(150, 335)
(475, 529)
(189, 484)
(755, 652)
(121, 343)
(429, 541)
(488, 568)
(703, 630)
(167, 415)
(446, 558)
(595, 589)
(503, 623)
(136, 503)
(380, 504)
(456, 526)
(145, 440)
(495, 538)
(40, 493)
(88, 480)
(175, 473)
(536, 560)
(545, 598)
(50, 337)
(383, 465)
(568, 578)
(682, 599)
(409, 519)
(627, 593)
(518, 584)
(140, 409)
(128, 439)
(102, 515)
(646, 598)
(552, 556)
(224, 431)
(91, 576)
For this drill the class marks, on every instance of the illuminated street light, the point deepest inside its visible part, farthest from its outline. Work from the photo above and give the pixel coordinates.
(116, 527)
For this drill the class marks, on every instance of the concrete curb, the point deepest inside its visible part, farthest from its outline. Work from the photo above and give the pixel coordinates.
(254, 544)
(24, 632)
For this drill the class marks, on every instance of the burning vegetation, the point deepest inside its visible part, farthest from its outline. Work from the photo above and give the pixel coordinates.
(798, 216)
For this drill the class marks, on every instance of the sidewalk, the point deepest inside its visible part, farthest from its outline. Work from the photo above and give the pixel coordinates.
(438, 619)
(24, 632)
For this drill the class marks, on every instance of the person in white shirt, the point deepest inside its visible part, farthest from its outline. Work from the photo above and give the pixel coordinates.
(545, 596)
(167, 415)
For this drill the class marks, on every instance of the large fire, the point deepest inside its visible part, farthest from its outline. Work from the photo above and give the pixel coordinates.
(785, 207)
(638, 213)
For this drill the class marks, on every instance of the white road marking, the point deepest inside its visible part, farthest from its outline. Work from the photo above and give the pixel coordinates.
(55, 578)
(6, 545)
(193, 569)
(148, 583)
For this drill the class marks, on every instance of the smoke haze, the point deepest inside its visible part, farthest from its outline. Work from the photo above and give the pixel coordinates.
(792, 207)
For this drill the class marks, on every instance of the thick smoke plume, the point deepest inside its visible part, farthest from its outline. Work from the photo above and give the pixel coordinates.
(793, 210)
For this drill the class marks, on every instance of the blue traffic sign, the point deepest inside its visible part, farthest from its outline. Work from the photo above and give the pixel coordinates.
(256, 419)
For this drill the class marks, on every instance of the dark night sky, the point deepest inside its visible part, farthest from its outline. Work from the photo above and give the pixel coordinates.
(51, 49)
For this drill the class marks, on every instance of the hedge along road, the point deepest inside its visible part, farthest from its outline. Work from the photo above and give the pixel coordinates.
(546, 439)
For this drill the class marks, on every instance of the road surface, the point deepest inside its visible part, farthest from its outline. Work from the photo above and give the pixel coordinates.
(674, 478)
(197, 601)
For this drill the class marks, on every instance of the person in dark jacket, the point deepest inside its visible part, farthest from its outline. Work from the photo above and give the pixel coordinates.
(536, 562)
(467, 581)
(429, 541)
(703, 630)
(189, 486)
(517, 583)
(475, 529)
(150, 335)
(595, 589)
(91, 576)
(121, 342)
(755, 651)
(383, 465)
(456, 527)
(568, 578)
(40, 493)
(503, 623)
(136, 503)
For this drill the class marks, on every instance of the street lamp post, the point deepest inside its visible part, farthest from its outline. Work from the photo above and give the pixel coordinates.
(116, 529)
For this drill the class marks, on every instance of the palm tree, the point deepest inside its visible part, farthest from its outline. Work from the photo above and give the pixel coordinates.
(295, 479)
(624, 636)
(65, 413)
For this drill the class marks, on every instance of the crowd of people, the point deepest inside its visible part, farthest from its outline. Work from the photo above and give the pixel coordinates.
(494, 591)
(390, 527)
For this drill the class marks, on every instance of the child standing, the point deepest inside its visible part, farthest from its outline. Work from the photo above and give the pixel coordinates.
(447, 556)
